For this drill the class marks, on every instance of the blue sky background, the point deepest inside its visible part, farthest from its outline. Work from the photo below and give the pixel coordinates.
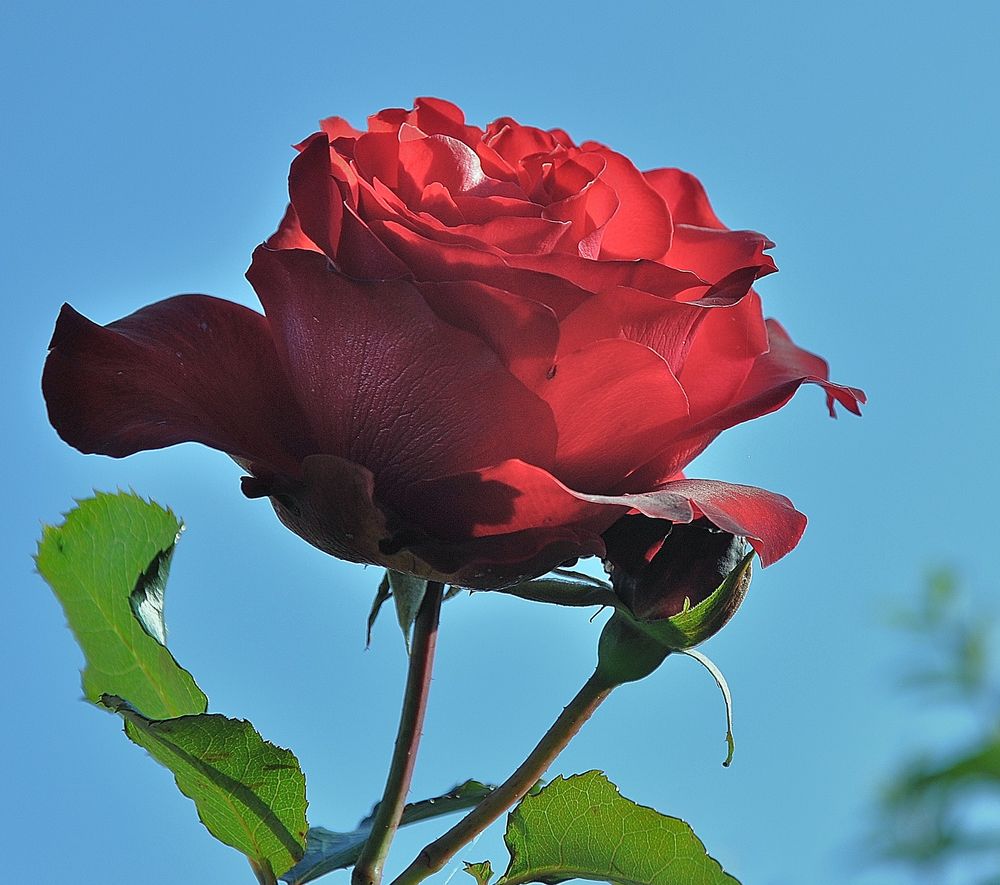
(144, 153)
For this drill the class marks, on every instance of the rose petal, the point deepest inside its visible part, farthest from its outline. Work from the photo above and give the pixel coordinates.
(376, 155)
(502, 524)
(722, 354)
(386, 383)
(427, 159)
(598, 276)
(685, 197)
(613, 403)
(768, 520)
(716, 254)
(438, 117)
(315, 195)
(338, 127)
(437, 261)
(290, 235)
(362, 255)
(642, 227)
(509, 497)
(191, 368)
(665, 327)
(773, 378)
(522, 332)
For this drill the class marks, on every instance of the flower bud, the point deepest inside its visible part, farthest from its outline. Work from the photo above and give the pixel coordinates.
(681, 583)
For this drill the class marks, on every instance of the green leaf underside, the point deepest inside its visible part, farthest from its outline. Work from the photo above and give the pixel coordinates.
(581, 827)
(107, 565)
(327, 850)
(250, 794)
(482, 872)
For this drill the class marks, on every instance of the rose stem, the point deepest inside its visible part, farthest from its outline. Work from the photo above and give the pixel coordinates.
(435, 855)
(369, 867)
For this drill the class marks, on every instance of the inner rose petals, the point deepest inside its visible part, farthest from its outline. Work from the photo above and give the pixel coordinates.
(438, 117)
(428, 158)
(386, 383)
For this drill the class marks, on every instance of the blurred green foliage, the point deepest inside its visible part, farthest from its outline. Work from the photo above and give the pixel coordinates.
(939, 815)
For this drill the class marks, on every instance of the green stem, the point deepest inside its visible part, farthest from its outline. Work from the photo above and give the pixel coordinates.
(369, 867)
(435, 855)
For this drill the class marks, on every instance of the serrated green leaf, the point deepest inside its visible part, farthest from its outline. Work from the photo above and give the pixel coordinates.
(250, 794)
(581, 827)
(407, 592)
(327, 850)
(107, 565)
(482, 872)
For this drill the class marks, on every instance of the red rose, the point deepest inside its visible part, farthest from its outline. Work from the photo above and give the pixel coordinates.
(480, 350)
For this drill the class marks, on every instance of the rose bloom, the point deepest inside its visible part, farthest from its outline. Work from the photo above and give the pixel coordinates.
(484, 352)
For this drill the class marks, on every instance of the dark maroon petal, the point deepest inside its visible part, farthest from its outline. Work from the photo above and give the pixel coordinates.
(389, 385)
(191, 368)
(362, 255)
